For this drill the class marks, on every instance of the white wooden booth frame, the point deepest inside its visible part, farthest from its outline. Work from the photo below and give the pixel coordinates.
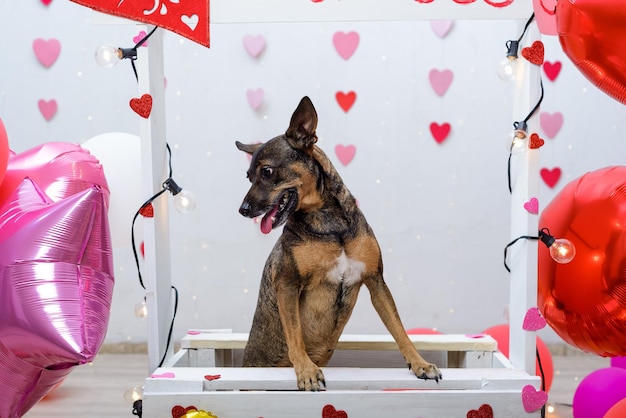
(360, 392)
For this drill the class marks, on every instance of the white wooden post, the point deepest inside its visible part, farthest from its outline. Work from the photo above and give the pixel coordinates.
(525, 182)
(154, 158)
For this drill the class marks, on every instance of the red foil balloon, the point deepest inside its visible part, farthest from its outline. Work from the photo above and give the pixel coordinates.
(592, 34)
(584, 301)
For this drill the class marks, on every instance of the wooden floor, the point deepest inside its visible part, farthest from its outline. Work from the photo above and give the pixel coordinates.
(98, 390)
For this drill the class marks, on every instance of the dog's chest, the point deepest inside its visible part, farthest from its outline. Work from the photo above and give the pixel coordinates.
(346, 271)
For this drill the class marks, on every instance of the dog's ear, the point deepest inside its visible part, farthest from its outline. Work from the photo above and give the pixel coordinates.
(249, 148)
(301, 131)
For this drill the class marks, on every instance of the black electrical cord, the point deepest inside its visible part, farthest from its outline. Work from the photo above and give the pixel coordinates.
(131, 53)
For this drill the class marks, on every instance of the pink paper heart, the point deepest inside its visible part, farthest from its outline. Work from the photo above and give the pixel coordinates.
(47, 52)
(533, 321)
(533, 399)
(254, 44)
(48, 108)
(345, 153)
(167, 375)
(440, 132)
(550, 177)
(142, 34)
(532, 206)
(255, 98)
(440, 80)
(441, 27)
(551, 123)
(346, 43)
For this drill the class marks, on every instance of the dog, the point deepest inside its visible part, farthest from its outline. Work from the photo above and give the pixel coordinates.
(326, 251)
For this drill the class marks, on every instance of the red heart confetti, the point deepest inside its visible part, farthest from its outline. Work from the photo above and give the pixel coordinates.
(345, 100)
(552, 70)
(329, 411)
(485, 411)
(211, 377)
(440, 132)
(551, 177)
(536, 141)
(147, 211)
(534, 53)
(142, 106)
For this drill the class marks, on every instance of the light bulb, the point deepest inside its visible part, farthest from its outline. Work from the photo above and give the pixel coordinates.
(517, 141)
(507, 69)
(134, 394)
(184, 201)
(562, 251)
(141, 310)
(108, 55)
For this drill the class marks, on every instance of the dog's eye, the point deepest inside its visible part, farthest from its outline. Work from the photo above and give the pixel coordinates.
(266, 172)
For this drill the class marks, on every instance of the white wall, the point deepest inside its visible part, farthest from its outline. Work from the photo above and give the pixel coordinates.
(440, 211)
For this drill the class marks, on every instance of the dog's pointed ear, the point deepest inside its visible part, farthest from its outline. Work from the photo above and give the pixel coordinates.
(249, 148)
(301, 131)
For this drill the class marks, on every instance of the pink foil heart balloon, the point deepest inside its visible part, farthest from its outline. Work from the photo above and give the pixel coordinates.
(56, 286)
(47, 51)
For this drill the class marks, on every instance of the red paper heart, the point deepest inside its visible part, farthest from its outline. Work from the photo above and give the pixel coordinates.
(440, 132)
(147, 211)
(187, 18)
(178, 411)
(329, 411)
(589, 31)
(142, 106)
(534, 53)
(552, 70)
(46, 2)
(211, 377)
(485, 411)
(551, 177)
(536, 141)
(345, 100)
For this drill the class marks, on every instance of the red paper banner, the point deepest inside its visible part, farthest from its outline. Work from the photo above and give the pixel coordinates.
(187, 18)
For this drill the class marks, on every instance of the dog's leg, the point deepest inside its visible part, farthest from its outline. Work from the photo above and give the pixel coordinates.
(309, 376)
(385, 306)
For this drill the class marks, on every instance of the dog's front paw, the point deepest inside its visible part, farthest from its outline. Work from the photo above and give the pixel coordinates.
(310, 378)
(426, 371)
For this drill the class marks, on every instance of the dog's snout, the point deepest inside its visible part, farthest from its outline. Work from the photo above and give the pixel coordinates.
(245, 208)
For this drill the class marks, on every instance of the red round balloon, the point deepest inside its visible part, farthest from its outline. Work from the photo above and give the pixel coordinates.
(500, 333)
(593, 35)
(584, 301)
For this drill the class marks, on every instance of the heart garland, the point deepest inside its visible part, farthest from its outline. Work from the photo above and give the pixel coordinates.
(346, 43)
(440, 132)
(47, 51)
(142, 106)
(440, 81)
(552, 69)
(441, 27)
(551, 123)
(345, 100)
(345, 153)
(551, 176)
(255, 97)
(254, 45)
(48, 108)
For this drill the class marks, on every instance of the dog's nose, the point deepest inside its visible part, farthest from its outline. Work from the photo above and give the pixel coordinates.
(244, 209)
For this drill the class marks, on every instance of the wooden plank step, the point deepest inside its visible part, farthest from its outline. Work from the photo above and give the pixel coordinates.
(192, 379)
(446, 342)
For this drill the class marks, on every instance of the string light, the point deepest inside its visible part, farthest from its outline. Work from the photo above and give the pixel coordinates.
(561, 250)
(141, 309)
(507, 68)
(108, 56)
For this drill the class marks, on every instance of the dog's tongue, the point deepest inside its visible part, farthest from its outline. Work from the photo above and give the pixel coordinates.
(266, 222)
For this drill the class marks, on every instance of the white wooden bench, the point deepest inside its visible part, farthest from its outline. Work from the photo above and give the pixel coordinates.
(476, 374)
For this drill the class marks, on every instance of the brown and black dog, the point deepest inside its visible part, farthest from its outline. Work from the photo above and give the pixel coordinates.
(326, 252)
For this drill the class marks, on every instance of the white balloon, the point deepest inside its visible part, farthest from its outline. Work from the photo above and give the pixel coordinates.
(120, 156)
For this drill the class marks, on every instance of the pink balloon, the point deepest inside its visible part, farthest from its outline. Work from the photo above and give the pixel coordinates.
(60, 169)
(56, 285)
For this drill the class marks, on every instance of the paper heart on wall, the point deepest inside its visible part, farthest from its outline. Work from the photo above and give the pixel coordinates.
(440, 132)
(345, 100)
(255, 98)
(48, 108)
(550, 176)
(46, 2)
(551, 123)
(254, 44)
(552, 69)
(47, 51)
(345, 153)
(592, 33)
(346, 43)
(440, 80)
(441, 27)
(189, 19)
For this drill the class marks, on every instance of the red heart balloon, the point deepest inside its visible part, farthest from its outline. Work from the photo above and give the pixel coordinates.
(189, 19)
(592, 33)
